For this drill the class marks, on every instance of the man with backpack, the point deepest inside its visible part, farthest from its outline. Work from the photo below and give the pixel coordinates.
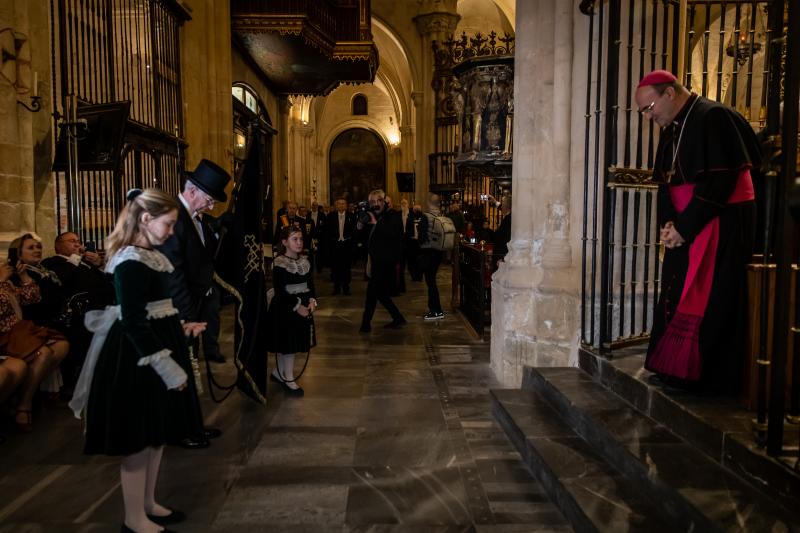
(437, 234)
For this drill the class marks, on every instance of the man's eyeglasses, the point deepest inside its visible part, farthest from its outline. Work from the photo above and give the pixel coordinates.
(647, 108)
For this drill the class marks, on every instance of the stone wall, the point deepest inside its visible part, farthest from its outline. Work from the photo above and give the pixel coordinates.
(27, 199)
(206, 67)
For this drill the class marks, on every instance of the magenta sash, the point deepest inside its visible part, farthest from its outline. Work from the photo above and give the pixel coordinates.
(678, 351)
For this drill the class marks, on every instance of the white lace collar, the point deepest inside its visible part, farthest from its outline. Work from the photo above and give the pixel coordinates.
(152, 258)
(293, 266)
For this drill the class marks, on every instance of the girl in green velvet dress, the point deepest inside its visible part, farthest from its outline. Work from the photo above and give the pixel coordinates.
(136, 387)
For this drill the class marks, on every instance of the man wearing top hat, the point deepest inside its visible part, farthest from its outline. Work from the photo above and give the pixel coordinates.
(191, 250)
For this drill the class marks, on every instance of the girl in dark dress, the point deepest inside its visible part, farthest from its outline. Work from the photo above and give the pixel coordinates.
(290, 314)
(135, 387)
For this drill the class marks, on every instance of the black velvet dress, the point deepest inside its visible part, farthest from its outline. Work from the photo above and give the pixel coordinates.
(293, 283)
(129, 406)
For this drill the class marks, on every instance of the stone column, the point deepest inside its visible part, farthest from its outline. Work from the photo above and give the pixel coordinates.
(420, 153)
(407, 140)
(436, 22)
(300, 164)
(535, 290)
(319, 172)
(27, 197)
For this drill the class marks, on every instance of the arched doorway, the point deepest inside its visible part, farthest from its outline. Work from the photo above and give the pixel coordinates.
(357, 164)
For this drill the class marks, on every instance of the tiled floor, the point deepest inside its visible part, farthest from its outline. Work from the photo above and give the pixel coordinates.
(395, 434)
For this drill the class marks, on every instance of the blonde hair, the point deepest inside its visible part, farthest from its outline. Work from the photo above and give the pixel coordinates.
(154, 202)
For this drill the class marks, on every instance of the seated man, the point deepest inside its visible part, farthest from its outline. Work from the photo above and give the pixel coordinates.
(85, 287)
(80, 271)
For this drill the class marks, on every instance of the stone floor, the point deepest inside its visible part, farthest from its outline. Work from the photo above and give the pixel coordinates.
(395, 434)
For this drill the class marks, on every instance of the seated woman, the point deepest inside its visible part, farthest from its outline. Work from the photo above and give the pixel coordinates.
(42, 349)
(58, 309)
(51, 306)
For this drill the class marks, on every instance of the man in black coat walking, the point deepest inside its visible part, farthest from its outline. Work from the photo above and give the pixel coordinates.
(191, 251)
(385, 247)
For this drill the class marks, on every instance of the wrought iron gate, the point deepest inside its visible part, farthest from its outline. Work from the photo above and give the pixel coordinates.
(619, 251)
(743, 53)
(119, 50)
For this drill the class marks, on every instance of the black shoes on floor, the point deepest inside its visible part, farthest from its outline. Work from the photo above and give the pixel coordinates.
(397, 323)
(298, 392)
(174, 517)
(200, 442)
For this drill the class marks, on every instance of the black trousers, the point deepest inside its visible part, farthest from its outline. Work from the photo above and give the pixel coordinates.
(429, 261)
(209, 313)
(378, 290)
(411, 256)
(341, 263)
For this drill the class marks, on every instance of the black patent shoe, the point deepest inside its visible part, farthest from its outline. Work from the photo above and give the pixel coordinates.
(126, 529)
(195, 443)
(299, 392)
(174, 517)
(212, 433)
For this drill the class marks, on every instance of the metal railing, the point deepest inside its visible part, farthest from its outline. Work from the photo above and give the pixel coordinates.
(476, 263)
(620, 265)
(120, 50)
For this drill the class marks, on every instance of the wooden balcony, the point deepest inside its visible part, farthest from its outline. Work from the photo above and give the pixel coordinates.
(307, 46)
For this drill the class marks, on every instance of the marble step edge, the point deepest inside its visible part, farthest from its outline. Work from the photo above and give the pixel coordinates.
(563, 495)
(693, 509)
(728, 448)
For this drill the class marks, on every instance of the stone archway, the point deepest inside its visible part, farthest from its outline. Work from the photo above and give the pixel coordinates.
(357, 162)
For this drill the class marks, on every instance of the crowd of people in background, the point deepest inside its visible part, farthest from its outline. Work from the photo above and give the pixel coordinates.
(390, 240)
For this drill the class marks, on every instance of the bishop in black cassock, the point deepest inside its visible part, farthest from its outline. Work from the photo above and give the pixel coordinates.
(706, 213)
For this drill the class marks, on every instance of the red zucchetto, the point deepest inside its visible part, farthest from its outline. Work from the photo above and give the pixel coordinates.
(656, 77)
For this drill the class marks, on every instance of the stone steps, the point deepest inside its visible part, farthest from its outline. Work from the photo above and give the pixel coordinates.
(591, 494)
(719, 427)
(692, 491)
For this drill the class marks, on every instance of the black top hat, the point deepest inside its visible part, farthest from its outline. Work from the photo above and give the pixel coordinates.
(211, 179)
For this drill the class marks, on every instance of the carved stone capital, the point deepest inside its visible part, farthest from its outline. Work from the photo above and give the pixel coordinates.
(417, 97)
(441, 23)
(407, 130)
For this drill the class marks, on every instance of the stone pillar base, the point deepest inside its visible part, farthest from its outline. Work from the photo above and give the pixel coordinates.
(535, 318)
